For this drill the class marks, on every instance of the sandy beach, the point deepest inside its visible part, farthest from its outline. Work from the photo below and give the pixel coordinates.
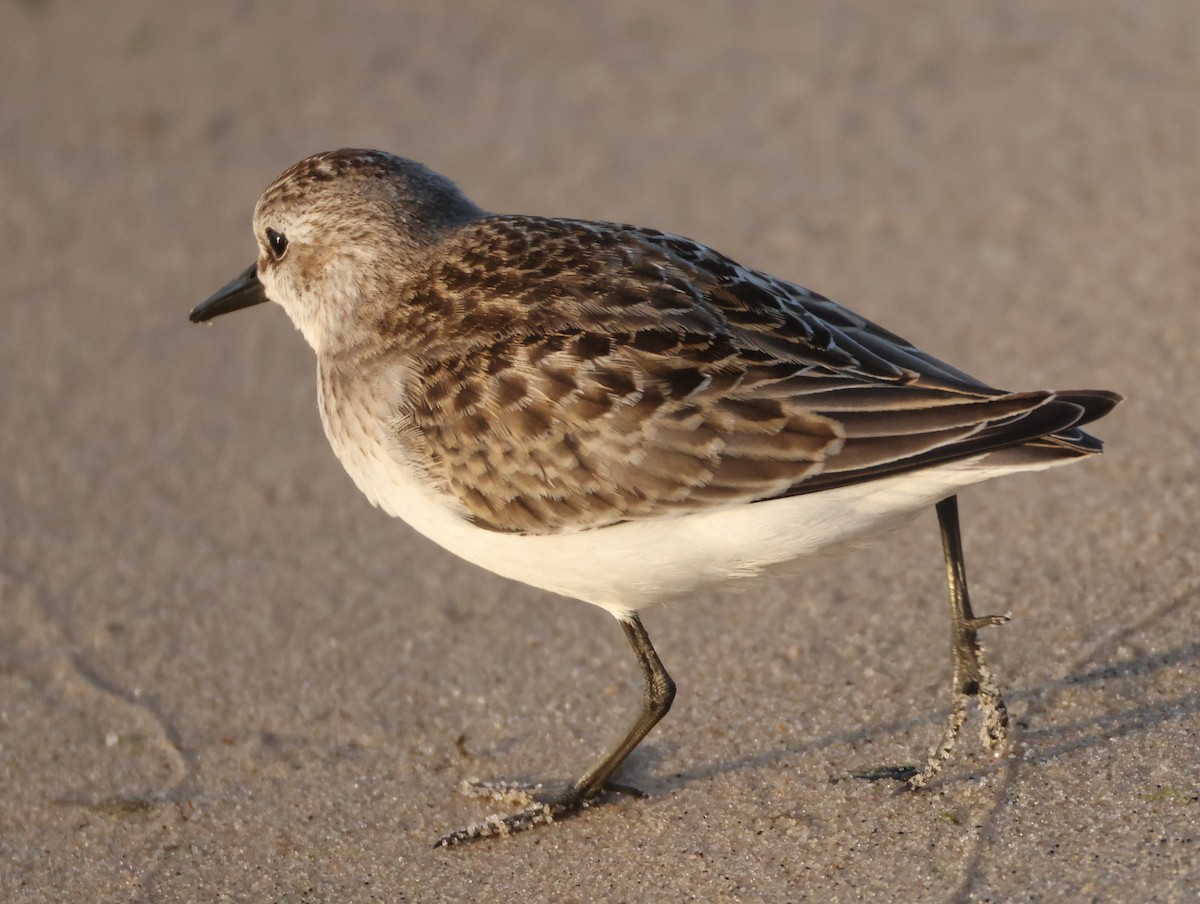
(225, 677)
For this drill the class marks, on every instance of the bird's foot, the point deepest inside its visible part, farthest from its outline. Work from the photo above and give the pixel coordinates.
(536, 807)
(972, 678)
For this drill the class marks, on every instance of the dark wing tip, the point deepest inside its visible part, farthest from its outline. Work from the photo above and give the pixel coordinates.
(1096, 403)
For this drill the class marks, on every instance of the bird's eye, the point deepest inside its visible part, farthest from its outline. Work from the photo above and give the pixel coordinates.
(277, 242)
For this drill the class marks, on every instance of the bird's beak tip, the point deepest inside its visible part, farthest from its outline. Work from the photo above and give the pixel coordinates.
(243, 291)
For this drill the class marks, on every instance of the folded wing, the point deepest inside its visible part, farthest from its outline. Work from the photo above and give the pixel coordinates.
(625, 374)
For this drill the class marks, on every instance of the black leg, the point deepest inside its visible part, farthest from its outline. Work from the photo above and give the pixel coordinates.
(539, 808)
(971, 676)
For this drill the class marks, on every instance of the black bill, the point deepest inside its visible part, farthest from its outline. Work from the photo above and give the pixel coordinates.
(240, 292)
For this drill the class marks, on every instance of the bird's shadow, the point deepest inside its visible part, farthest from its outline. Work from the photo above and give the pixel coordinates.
(1042, 738)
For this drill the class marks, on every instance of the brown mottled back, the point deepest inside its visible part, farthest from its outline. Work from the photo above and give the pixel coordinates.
(568, 375)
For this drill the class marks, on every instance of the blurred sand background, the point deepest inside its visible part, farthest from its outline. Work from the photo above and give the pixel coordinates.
(223, 676)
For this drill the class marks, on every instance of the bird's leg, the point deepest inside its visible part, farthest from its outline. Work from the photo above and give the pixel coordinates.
(971, 676)
(539, 808)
